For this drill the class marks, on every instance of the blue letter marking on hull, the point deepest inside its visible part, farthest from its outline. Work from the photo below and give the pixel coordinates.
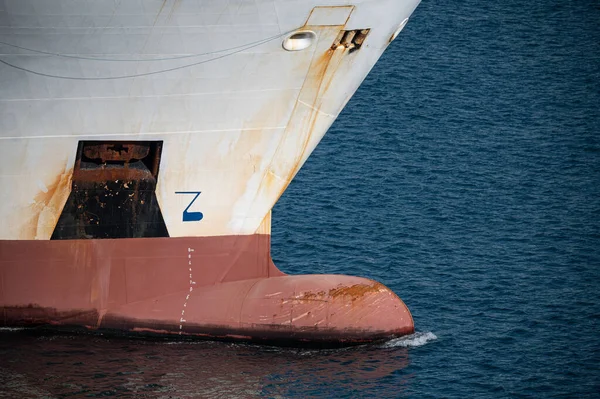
(191, 216)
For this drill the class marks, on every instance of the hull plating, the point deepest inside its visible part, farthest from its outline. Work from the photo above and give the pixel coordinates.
(215, 287)
(182, 122)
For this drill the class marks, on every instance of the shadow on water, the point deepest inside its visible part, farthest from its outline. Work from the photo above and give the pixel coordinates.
(36, 365)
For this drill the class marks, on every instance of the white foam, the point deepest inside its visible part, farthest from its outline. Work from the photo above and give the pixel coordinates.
(413, 340)
(12, 329)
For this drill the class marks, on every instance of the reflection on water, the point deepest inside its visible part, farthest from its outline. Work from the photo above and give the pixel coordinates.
(34, 365)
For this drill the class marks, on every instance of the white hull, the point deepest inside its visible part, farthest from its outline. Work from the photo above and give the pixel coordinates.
(237, 119)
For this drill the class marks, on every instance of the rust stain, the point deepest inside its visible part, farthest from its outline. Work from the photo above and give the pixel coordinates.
(352, 293)
(316, 73)
(323, 71)
(356, 291)
(270, 180)
(265, 225)
(48, 205)
(320, 68)
(304, 119)
(311, 296)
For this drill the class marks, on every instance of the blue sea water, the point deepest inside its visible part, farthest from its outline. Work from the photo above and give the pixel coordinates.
(464, 175)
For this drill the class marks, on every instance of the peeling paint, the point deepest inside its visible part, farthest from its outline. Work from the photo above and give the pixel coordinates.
(357, 291)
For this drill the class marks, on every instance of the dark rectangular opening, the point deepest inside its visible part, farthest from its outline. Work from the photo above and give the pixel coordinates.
(113, 192)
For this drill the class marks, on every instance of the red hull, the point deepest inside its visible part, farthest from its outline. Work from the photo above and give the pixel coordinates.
(213, 287)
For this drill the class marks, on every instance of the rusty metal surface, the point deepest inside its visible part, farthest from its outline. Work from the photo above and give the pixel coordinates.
(125, 152)
(128, 174)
